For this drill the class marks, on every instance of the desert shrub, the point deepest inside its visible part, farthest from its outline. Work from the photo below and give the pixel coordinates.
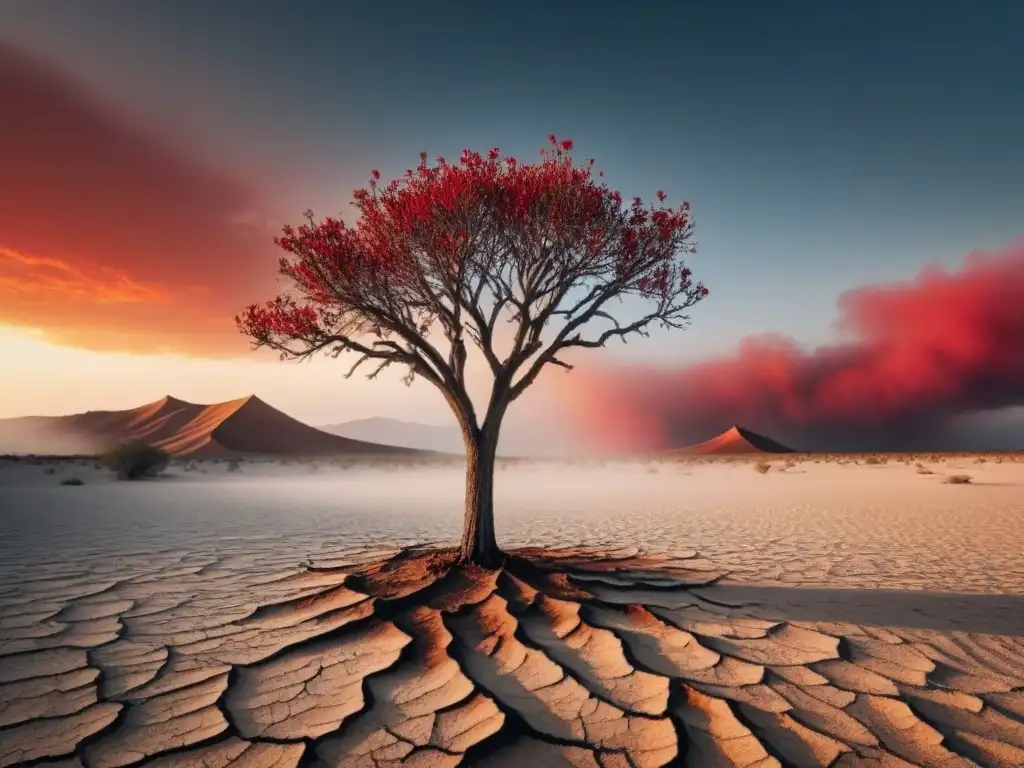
(923, 470)
(72, 481)
(958, 479)
(136, 459)
(234, 465)
(50, 471)
(762, 467)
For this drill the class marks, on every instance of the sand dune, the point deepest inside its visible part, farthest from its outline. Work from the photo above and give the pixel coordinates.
(247, 426)
(735, 440)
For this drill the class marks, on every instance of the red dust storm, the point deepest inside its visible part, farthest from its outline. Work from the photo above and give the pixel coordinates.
(913, 355)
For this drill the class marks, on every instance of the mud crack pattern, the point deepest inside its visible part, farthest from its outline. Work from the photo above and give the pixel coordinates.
(375, 658)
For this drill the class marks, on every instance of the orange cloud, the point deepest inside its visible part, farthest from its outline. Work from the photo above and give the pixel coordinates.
(47, 279)
(114, 238)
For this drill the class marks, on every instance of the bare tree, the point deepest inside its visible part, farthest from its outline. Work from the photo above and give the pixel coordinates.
(451, 249)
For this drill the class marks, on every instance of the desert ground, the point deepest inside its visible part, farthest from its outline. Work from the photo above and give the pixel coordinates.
(772, 611)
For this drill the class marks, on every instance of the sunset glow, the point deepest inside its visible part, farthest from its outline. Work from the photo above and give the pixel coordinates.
(144, 216)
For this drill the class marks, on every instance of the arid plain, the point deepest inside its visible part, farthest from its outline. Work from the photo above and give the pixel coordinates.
(828, 610)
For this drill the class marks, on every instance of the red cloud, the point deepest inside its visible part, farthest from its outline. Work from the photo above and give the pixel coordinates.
(111, 237)
(914, 355)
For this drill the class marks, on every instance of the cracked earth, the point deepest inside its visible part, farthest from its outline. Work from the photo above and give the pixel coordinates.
(236, 651)
(563, 657)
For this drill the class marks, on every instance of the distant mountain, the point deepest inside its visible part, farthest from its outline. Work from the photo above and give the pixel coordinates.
(736, 440)
(518, 439)
(247, 426)
(407, 434)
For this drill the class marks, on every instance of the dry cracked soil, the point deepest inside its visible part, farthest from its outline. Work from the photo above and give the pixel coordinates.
(236, 654)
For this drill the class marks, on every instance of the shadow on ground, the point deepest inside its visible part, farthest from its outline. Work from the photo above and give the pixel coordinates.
(945, 611)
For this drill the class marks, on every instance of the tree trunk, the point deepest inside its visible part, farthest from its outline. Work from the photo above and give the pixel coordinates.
(479, 545)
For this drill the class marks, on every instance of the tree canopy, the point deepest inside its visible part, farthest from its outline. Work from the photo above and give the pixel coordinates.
(455, 248)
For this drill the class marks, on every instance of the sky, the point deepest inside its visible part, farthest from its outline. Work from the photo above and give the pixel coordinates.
(156, 148)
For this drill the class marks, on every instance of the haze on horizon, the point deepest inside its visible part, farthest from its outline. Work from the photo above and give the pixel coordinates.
(842, 168)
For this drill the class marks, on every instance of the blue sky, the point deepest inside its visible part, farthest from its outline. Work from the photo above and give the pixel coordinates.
(823, 145)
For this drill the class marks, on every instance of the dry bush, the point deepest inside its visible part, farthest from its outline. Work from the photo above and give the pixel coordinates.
(72, 481)
(136, 459)
(958, 480)
(923, 470)
(872, 460)
(234, 465)
(762, 467)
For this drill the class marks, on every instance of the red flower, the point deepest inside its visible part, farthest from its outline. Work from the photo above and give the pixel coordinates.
(449, 223)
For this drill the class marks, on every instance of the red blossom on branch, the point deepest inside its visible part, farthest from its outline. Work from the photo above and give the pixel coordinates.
(458, 246)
